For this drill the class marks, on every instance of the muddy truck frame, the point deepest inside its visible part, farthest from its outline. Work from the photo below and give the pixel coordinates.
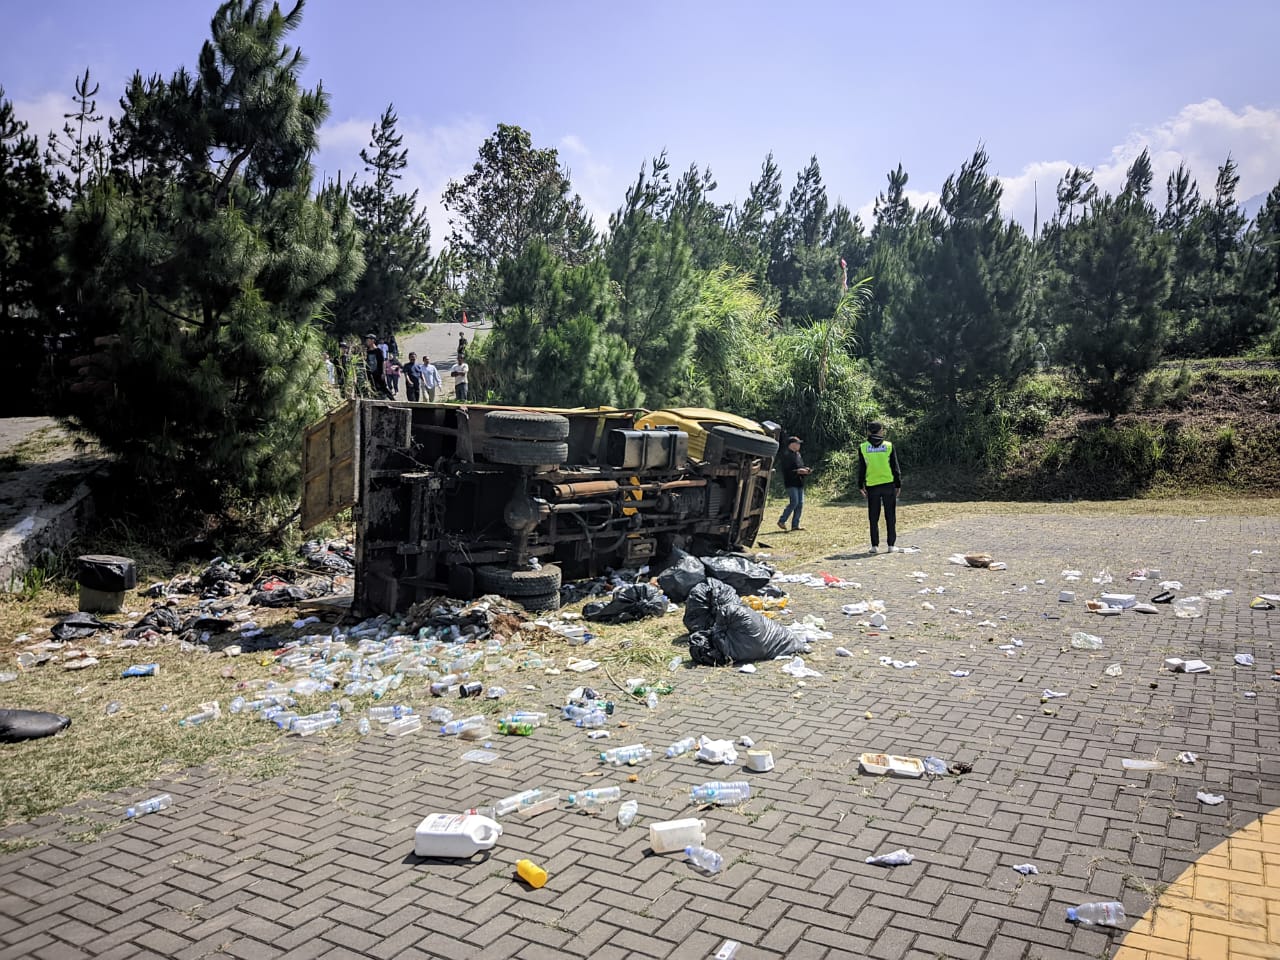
(468, 500)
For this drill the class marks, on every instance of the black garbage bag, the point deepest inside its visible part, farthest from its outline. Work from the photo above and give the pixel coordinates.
(745, 576)
(17, 725)
(77, 626)
(635, 601)
(742, 635)
(161, 619)
(683, 575)
(285, 596)
(704, 599)
(111, 574)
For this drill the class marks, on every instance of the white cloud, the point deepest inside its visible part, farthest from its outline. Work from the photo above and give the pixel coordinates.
(1201, 135)
(592, 179)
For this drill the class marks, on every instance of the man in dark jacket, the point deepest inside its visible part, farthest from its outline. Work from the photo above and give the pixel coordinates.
(793, 473)
(880, 481)
(374, 360)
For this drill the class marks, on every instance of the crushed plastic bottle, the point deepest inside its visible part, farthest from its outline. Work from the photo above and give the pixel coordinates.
(704, 859)
(363, 726)
(591, 799)
(455, 727)
(149, 806)
(404, 725)
(1107, 914)
(524, 798)
(632, 753)
(1085, 641)
(627, 813)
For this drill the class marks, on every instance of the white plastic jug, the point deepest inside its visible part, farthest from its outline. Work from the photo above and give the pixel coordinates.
(672, 836)
(454, 835)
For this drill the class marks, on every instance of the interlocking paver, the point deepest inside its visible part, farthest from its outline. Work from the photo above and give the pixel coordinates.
(316, 863)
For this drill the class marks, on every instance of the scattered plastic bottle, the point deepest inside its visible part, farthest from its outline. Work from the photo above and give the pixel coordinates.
(529, 716)
(1103, 914)
(363, 726)
(652, 700)
(490, 812)
(1085, 641)
(509, 726)
(455, 727)
(149, 806)
(586, 798)
(512, 803)
(204, 716)
(594, 719)
(440, 715)
(113, 707)
(496, 693)
(404, 725)
(633, 753)
(306, 726)
(704, 859)
(718, 792)
(627, 813)
(390, 712)
(682, 746)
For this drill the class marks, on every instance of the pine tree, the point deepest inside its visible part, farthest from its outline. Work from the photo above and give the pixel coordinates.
(206, 258)
(750, 227)
(960, 324)
(79, 154)
(1110, 293)
(794, 258)
(28, 222)
(650, 261)
(1182, 225)
(399, 278)
(1260, 276)
(704, 222)
(1225, 326)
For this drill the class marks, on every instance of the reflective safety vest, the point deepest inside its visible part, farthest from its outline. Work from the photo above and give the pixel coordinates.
(877, 458)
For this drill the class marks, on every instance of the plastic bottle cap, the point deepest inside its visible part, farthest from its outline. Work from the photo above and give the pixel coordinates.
(1072, 915)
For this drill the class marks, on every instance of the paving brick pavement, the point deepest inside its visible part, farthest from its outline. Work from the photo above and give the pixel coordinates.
(318, 862)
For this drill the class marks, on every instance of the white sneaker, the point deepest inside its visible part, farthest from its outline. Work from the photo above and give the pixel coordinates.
(895, 549)
(871, 549)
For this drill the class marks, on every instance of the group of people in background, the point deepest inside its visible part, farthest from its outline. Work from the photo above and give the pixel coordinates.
(377, 371)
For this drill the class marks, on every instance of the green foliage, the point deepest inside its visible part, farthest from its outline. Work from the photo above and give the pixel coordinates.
(551, 344)
(400, 277)
(651, 263)
(28, 224)
(206, 258)
(1109, 292)
(733, 363)
(515, 195)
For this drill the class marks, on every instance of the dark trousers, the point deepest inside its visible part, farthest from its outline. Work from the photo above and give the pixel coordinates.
(883, 493)
(411, 391)
(460, 391)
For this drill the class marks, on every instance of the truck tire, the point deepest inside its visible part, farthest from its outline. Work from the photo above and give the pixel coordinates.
(540, 602)
(526, 453)
(518, 584)
(740, 441)
(525, 425)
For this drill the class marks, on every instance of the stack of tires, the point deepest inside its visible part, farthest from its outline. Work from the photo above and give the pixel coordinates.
(526, 438)
(535, 590)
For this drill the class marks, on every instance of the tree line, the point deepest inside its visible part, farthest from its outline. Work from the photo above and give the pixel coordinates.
(170, 285)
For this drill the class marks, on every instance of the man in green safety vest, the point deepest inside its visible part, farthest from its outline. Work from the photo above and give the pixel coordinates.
(880, 480)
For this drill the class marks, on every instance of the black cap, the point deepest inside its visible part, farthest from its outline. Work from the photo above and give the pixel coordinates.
(875, 428)
(791, 440)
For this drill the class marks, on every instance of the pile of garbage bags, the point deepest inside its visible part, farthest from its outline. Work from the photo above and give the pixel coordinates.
(722, 631)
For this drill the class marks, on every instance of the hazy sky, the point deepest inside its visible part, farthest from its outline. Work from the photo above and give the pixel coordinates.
(1044, 85)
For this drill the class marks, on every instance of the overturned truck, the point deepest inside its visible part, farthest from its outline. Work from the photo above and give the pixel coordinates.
(467, 500)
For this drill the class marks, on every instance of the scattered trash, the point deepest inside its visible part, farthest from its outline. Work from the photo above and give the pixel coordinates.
(840, 652)
(1187, 757)
(720, 792)
(880, 764)
(747, 668)
(759, 761)
(627, 813)
(155, 804)
(728, 950)
(934, 766)
(1051, 694)
(960, 673)
(1104, 576)
(455, 836)
(1144, 608)
(630, 602)
(1209, 799)
(1187, 666)
(1026, 869)
(1244, 659)
(1066, 596)
(723, 631)
(978, 559)
(716, 751)
(1085, 641)
(531, 873)
(796, 668)
(1261, 603)
(1110, 914)
(1115, 670)
(706, 860)
(1217, 594)
(1142, 764)
(1188, 607)
(896, 859)
(673, 836)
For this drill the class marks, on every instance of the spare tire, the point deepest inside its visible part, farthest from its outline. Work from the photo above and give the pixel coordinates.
(540, 602)
(526, 453)
(518, 584)
(742, 441)
(525, 425)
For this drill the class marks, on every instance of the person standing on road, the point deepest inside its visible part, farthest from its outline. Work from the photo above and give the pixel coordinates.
(462, 346)
(412, 379)
(793, 473)
(459, 374)
(374, 372)
(880, 481)
(430, 378)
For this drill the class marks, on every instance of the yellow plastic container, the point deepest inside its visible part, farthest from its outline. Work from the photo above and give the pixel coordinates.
(531, 873)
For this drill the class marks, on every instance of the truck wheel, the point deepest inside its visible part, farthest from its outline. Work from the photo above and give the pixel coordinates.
(518, 584)
(740, 441)
(526, 453)
(540, 602)
(525, 425)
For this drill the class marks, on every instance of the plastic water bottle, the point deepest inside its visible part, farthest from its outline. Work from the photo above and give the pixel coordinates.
(455, 727)
(440, 715)
(509, 726)
(496, 693)
(305, 726)
(586, 798)
(404, 725)
(149, 806)
(574, 712)
(682, 747)
(704, 859)
(718, 792)
(1105, 914)
(593, 719)
(634, 753)
(533, 717)
(510, 804)
(627, 813)
(652, 700)
(363, 726)
(204, 716)
(389, 712)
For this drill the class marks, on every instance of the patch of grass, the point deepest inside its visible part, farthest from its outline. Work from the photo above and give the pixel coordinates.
(18, 844)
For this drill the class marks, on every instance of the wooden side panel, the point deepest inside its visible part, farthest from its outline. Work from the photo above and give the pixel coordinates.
(330, 465)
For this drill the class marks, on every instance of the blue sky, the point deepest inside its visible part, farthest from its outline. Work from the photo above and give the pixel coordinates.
(863, 86)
